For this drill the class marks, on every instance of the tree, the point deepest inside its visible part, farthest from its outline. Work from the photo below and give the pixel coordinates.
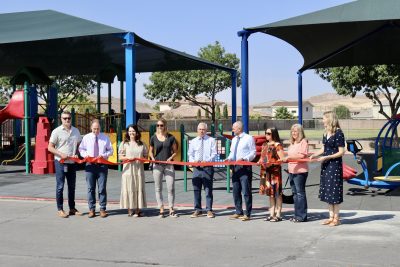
(199, 114)
(71, 89)
(187, 85)
(217, 113)
(374, 81)
(282, 113)
(5, 90)
(207, 114)
(255, 116)
(342, 112)
(156, 107)
(225, 112)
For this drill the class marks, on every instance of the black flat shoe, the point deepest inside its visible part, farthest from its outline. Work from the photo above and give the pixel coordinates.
(276, 219)
(267, 219)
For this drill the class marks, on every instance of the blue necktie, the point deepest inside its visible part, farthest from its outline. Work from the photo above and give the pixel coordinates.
(236, 147)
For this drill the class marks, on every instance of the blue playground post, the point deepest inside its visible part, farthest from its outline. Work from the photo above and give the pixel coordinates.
(234, 77)
(121, 92)
(52, 107)
(109, 98)
(185, 159)
(228, 170)
(73, 116)
(245, 79)
(130, 70)
(98, 96)
(300, 96)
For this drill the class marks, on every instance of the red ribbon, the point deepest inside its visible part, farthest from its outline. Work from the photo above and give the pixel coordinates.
(180, 163)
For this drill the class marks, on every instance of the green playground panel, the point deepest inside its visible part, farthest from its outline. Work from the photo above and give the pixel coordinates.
(391, 157)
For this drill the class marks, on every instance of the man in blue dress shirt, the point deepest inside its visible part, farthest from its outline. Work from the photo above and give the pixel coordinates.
(202, 149)
(243, 148)
(97, 145)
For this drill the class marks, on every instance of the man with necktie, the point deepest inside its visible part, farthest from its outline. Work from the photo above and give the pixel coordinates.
(202, 149)
(243, 148)
(97, 145)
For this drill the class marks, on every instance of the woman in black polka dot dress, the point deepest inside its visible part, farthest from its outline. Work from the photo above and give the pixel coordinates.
(331, 183)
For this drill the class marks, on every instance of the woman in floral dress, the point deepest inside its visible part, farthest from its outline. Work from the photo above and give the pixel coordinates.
(271, 173)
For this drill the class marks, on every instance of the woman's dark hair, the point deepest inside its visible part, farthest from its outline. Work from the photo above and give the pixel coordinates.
(274, 134)
(137, 137)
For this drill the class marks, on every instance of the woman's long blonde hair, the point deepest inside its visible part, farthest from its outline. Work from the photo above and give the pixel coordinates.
(300, 129)
(333, 122)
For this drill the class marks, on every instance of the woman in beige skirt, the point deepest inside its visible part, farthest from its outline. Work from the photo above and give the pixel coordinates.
(133, 195)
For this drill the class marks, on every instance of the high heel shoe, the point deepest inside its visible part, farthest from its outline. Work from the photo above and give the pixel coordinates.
(335, 222)
(327, 222)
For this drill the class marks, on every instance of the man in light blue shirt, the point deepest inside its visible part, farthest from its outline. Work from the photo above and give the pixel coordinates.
(243, 147)
(202, 149)
(97, 145)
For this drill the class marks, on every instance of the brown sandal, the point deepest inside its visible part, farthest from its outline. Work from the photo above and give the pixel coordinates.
(327, 222)
(335, 222)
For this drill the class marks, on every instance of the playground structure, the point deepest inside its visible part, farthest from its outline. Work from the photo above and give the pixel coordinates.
(15, 108)
(384, 172)
(55, 43)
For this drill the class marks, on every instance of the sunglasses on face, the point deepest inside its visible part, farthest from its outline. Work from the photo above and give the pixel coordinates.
(160, 125)
(268, 133)
(66, 118)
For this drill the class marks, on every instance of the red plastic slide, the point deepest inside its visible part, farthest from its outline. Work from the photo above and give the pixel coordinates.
(15, 108)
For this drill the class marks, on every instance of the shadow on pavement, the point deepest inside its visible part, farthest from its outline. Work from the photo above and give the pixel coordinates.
(365, 219)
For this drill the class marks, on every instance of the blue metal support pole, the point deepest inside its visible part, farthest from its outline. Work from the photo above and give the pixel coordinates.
(109, 98)
(245, 79)
(130, 70)
(121, 93)
(98, 97)
(300, 96)
(15, 134)
(234, 77)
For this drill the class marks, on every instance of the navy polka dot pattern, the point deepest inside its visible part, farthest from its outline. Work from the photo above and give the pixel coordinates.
(331, 184)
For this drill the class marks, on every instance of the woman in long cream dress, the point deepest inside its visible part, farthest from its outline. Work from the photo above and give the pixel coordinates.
(133, 194)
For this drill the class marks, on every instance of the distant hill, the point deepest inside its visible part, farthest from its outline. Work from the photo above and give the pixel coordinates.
(332, 100)
(328, 101)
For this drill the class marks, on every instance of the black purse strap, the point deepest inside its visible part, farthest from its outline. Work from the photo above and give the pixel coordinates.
(287, 180)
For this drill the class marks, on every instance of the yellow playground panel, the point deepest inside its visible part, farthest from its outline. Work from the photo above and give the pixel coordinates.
(113, 139)
(146, 140)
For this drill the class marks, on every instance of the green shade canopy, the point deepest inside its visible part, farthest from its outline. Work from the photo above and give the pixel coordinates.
(60, 44)
(363, 32)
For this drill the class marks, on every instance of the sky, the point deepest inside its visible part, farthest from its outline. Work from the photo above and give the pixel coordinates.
(189, 25)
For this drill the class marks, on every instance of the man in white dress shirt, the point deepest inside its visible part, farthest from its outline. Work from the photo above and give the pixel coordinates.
(243, 148)
(202, 149)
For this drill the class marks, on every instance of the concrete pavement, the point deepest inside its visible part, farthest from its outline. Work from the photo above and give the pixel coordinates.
(31, 235)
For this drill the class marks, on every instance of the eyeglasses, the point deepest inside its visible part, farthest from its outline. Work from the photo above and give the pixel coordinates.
(66, 118)
(160, 125)
(268, 133)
